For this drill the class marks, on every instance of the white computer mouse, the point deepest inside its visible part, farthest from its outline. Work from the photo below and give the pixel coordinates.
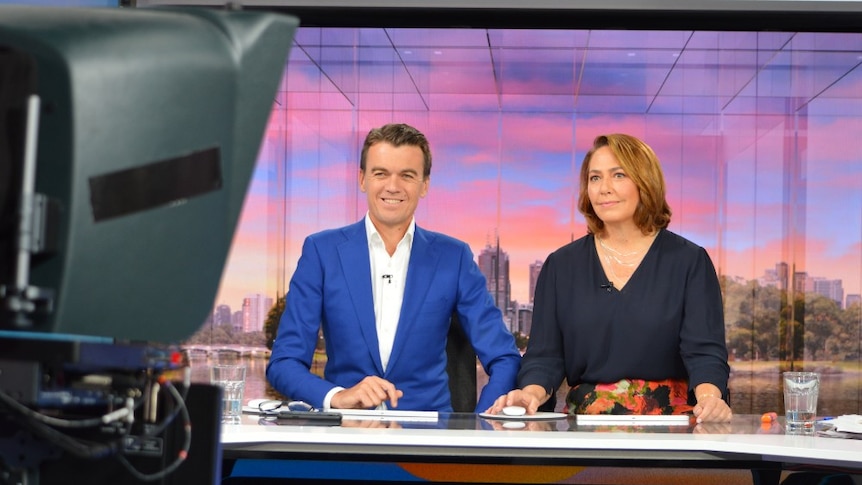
(514, 425)
(514, 411)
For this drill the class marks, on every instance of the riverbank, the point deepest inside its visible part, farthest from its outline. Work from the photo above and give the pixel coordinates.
(765, 368)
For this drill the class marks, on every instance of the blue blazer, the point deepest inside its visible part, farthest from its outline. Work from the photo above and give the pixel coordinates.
(331, 289)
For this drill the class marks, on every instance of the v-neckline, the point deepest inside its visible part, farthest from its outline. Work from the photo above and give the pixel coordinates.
(611, 284)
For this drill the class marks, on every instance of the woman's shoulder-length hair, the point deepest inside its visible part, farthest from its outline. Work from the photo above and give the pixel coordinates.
(642, 166)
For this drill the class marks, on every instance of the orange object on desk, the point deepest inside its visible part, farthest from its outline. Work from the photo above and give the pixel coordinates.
(768, 417)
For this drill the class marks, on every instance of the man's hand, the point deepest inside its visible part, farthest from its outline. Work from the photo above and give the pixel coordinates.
(369, 393)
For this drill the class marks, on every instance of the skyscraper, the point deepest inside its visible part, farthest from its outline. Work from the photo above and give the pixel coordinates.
(833, 289)
(494, 264)
(221, 315)
(525, 319)
(254, 310)
(535, 269)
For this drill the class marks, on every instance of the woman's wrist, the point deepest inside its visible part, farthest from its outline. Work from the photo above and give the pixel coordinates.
(707, 390)
(538, 392)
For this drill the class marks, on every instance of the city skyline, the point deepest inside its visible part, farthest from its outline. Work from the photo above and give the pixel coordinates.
(251, 316)
(252, 256)
(500, 290)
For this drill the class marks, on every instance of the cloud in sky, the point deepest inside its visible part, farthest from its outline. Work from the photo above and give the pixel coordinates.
(534, 199)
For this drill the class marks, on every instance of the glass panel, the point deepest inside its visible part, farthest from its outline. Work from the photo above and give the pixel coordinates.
(758, 133)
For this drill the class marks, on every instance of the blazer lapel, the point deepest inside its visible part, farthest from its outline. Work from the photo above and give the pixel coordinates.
(420, 271)
(355, 264)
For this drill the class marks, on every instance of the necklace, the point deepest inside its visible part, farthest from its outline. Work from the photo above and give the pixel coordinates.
(618, 253)
(613, 272)
(618, 257)
(624, 260)
(615, 278)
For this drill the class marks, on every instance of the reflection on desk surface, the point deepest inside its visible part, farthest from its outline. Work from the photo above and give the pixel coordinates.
(741, 424)
(461, 448)
(469, 442)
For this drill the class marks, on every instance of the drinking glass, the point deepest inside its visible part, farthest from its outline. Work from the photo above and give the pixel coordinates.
(231, 378)
(800, 401)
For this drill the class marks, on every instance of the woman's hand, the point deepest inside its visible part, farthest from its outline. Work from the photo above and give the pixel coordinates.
(710, 407)
(712, 428)
(530, 398)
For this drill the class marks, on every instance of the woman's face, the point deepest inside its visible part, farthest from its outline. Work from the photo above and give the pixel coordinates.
(613, 195)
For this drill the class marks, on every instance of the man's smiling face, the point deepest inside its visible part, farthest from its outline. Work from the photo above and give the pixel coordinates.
(393, 183)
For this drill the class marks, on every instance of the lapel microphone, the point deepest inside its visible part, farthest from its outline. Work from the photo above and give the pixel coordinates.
(609, 286)
(388, 278)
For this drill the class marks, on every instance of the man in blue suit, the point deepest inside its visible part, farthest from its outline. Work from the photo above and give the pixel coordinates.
(383, 290)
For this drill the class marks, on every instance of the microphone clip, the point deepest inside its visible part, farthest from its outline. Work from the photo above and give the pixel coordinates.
(608, 286)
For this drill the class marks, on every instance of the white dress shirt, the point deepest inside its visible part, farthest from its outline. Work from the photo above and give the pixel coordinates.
(388, 278)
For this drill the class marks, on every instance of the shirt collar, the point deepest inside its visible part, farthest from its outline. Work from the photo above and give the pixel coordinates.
(372, 234)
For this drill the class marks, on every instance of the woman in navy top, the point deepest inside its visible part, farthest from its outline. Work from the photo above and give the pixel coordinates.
(630, 314)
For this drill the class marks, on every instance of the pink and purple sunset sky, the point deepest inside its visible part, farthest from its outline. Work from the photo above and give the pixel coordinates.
(760, 142)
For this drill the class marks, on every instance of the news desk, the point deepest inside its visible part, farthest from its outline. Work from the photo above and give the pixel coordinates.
(460, 448)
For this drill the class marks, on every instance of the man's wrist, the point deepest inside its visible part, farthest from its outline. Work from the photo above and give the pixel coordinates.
(327, 400)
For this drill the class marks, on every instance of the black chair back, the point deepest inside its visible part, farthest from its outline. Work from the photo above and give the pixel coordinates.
(461, 367)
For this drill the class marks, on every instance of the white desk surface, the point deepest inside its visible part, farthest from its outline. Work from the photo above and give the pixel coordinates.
(745, 439)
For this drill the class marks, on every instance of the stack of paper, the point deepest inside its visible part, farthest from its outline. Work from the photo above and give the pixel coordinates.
(848, 423)
(633, 419)
(387, 415)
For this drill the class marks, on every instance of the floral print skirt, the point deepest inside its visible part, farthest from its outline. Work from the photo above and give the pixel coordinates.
(630, 396)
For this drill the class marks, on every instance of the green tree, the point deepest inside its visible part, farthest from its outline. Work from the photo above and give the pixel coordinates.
(752, 319)
(737, 318)
(521, 340)
(822, 323)
(850, 338)
(792, 330)
(270, 325)
(769, 302)
(210, 335)
(251, 339)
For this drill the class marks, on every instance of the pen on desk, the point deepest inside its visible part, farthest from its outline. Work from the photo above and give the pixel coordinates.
(312, 417)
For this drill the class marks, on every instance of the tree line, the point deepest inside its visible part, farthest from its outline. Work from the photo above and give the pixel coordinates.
(767, 323)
